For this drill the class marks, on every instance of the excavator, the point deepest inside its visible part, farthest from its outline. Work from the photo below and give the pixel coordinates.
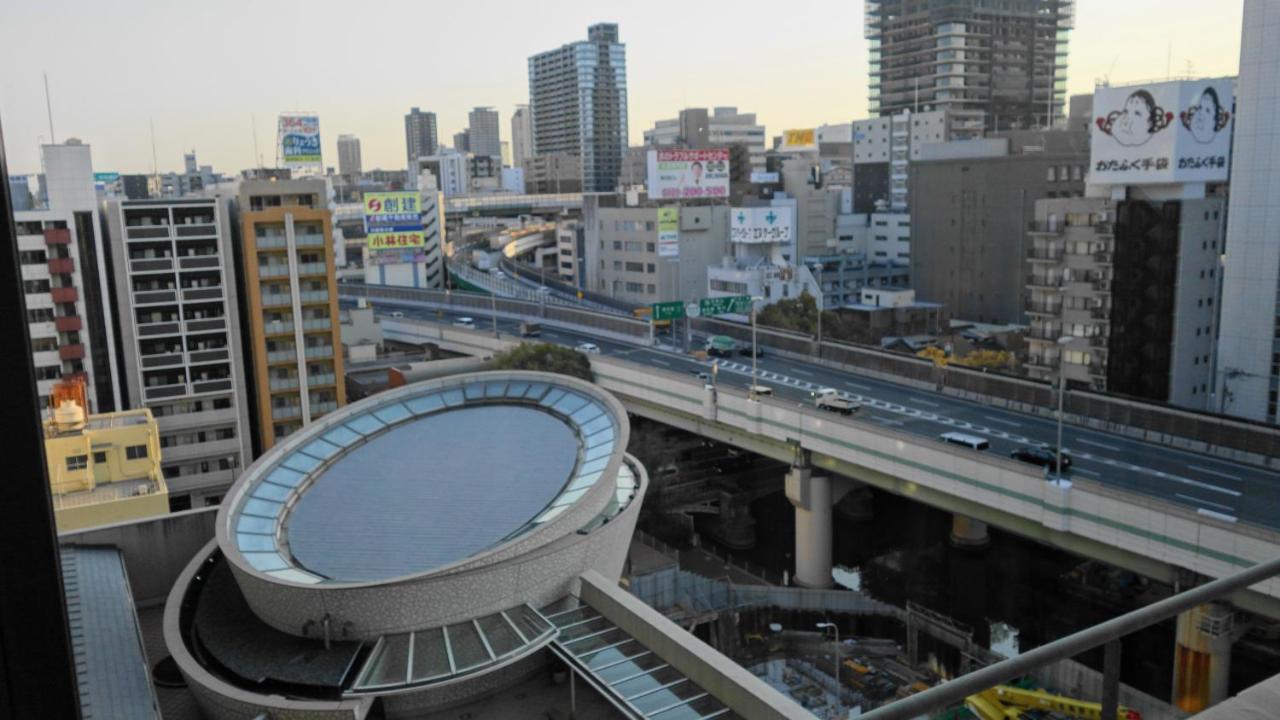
(1005, 702)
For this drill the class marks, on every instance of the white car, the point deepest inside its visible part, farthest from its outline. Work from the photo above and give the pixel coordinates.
(397, 314)
(589, 348)
(760, 389)
(465, 322)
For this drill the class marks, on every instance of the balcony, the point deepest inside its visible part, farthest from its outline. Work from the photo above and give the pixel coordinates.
(1100, 313)
(316, 324)
(289, 383)
(320, 351)
(1046, 254)
(57, 236)
(1104, 228)
(309, 240)
(1103, 286)
(197, 230)
(273, 270)
(207, 356)
(153, 297)
(67, 323)
(62, 266)
(1099, 341)
(1042, 362)
(1098, 369)
(315, 268)
(1044, 281)
(1043, 333)
(198, 262)
(208, 386)
(163, 327)
(206, 324)
(151, 265)
(285, 412)
(281, 356)
(271, 241)
(1041, 308)
(156, 392)
(171, 359)
(147, 232)
(321, 408)
(276, 300)
(74, 351)
(314, 296)
(64, 294)
(1045, 228)
(320, 380)
(202, 293)
(1102, 256)
(278, 328)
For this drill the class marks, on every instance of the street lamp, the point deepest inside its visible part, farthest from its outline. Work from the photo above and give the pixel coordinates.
(493, 309)
(1062, 394)
(835, 662)
(817, 268)
(755, 351)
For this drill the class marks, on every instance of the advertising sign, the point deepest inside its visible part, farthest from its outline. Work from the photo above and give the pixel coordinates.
(802, 139)
(106, 178)
(299, 140)
(761, 225)
(1169, 132)
(393, 221)
(764, 177)
(669, 232)
(688, 174)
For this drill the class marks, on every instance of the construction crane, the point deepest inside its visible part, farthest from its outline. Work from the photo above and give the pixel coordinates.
(1005, 702)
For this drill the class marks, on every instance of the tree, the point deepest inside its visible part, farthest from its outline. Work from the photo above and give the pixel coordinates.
(544, 357)
(796, 314)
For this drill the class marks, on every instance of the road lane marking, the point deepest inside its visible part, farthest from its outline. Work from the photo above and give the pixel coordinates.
(1086, 471)
(660, 361)
(1217, 515)
(798, 371)
(1002, 422)
(1205, 486)
(928, 403)
(1214, 472)
(1112, 448)
(1205, 502)
(856, 386)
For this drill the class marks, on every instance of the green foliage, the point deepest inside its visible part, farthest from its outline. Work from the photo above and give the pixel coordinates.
(544, 357)
(796, 314)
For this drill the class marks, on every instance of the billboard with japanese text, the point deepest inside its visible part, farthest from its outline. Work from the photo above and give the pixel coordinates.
(1169, 132)
(298, 137)
(669, 232)
(393, 221)
(688, 174)
(801, 139)
(761, 225)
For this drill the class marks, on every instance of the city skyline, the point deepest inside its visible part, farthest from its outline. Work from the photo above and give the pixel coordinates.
(815, 74)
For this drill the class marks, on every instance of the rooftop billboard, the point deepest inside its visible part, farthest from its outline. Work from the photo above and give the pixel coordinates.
(688, 174)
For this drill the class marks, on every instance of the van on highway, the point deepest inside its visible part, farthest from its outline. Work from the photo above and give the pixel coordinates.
(973, 442)
(530, 329)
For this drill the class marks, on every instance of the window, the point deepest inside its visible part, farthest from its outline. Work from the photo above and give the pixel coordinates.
(635, 267)
(77, 462)
(99, 457)
(617, 265)
(649, 247)
(651, 268)
(135, 452)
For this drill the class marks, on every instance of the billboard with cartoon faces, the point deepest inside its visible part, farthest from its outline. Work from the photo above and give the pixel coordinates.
(1170, 132)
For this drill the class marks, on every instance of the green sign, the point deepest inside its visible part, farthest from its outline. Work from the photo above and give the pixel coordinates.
(731, 305)
(668, 311)
(706, 307)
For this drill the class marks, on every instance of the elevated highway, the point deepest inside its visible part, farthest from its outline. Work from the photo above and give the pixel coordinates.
(1154, 509)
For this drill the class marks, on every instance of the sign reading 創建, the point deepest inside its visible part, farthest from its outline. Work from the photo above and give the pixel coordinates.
(688, 174)
(761, 225)
(393, 221)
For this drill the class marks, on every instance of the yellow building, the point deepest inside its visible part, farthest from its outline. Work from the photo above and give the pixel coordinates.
(291, 300)
(105, 468)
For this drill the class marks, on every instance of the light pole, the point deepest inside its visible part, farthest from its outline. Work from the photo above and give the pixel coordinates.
(755, 351)
(835, 661)
(1062, 394)
(818, 269)
(493, 309)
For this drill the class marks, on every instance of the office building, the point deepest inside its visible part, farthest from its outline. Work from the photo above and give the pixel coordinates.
(697, 129)
(971, 204)
(883, 149)
(621, 245)
(291, 304)
(762, 255)
(451, 171)
(103, 468)
(462, 141)
(996, 66)
(20, 192)
(512, 180)
(521, 135)
(578, 102)
(1248, 367)
(571, 238)
(64, 275)
(174, 274)
(441, 606)
(420, 138)
(349, 156)
(1133, 284)
(553, 173)
(483, 134)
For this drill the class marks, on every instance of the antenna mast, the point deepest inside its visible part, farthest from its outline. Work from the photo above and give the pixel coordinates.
(48, 106)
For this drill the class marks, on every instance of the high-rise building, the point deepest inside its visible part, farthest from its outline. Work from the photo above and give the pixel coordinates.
(1248, 367)
(420, 138)
(521, 135)
(291, 302)
(578, 102)
(450, 170)
(349, 155)
(103, 468)
(971, 204)
(462, 141)
(997, 66)
(175, 296)
(722, 127)
(883, 149)
(483, 134)
(64, 276)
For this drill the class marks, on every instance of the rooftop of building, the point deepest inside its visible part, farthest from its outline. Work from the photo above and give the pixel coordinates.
(98, 423)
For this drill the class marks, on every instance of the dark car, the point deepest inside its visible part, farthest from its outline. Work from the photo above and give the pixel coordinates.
(701, 375)
(747, 351)
(1044, 456)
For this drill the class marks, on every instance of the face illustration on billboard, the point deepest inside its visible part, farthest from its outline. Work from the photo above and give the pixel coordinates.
(1206, 118)
(695, 171)
(1136, 122)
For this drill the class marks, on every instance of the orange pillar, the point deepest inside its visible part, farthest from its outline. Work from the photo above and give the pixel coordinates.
(1202, 657)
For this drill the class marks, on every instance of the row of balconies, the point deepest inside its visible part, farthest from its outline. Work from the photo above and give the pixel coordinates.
(1053, 254)
(176, 327)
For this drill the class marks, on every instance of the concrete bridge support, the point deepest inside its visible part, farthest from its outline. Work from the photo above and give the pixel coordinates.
(813, 497)
(968, 533)
(1202, 656)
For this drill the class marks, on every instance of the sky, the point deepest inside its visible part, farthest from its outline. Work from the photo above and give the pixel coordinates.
(211, 74)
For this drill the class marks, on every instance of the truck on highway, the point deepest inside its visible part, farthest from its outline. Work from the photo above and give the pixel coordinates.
(721, 346)
(530, 329)
(830, 399)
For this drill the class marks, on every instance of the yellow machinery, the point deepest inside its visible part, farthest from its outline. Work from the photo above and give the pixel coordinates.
(1005, 702)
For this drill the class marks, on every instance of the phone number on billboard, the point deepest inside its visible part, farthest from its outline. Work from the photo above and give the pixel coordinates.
(694, 192)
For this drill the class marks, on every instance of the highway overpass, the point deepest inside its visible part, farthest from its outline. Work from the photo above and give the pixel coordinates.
(1153, 509)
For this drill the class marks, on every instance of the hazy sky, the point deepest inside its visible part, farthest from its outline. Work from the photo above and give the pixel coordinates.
(201, 70)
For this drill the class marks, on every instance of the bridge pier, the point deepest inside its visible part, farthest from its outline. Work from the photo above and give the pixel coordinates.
(967, 532)
(1202, 656)
(811, 496)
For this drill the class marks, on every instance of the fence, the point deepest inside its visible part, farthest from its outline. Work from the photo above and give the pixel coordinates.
(672, 587)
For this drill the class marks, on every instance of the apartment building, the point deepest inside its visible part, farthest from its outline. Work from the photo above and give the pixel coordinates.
(291, 304)
(175, 295)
